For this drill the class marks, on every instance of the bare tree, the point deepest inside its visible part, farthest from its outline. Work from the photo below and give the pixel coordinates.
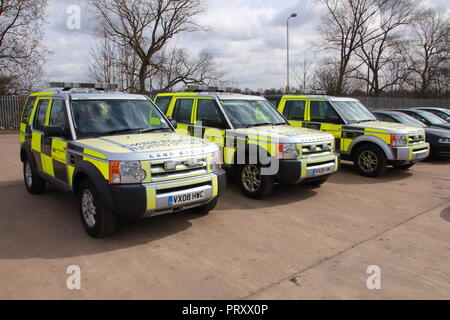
(304, 73)
(20, 41)
(380, 53)
(327, 77)
(345, 28)
(429, 52)
(145, 25)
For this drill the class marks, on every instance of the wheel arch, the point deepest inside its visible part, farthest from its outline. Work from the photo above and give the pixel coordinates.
(358, 142)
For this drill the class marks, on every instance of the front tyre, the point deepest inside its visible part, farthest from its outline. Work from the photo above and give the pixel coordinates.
(370, 160)
(253, 184)
(98, 221)
(33, 182)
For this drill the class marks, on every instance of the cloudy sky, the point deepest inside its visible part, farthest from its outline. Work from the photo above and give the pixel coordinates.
(246, 37)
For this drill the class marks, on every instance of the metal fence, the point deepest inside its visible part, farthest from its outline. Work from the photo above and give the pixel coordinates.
(10, 111)
(402, 103)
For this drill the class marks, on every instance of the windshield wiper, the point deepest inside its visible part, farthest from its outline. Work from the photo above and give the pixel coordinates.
(114, 132)
(259, 125)
(155, 130)
(360, 121)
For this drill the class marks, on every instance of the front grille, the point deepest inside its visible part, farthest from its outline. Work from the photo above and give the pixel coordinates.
(316, 150)
(416, 139)
(183, 169)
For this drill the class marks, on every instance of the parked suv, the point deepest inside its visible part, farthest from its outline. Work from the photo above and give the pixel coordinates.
(257, 142)
(371, 144)
(118, 154)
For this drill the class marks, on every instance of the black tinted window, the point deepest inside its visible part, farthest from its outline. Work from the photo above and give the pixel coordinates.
(57, 114)
(42, 112)
(183, 110)
(294, 110)
(209, 114)
(27, 109)
(274, 101)
(163, 103)
(322, 111)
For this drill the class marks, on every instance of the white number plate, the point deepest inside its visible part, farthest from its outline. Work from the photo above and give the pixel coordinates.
(186, 198)
(322, 171)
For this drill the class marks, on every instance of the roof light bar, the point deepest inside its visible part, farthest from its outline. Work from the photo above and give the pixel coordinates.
(311, 92)
(84, 85)
(199, 88)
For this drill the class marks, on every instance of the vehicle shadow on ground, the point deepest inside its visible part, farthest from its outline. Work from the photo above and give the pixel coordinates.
(234, 199)
(349, 175)
(445, 214)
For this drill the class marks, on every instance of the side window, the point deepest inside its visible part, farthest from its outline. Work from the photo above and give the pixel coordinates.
(295, 110)
(274, 101)
(209, 114)
(57, 114)
(322, 111)
(27, 109)
(182, 111)
(39, 121)
(163, 103)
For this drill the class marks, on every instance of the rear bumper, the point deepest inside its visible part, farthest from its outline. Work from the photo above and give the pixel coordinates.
(147, 200)
(412, 153)
(296, 171)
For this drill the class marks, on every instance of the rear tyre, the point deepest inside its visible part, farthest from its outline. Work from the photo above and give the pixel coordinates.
(98, 221)
(316, 182)
(204, 210)
(252, 183)
(370, 160)
(404, 167)
(33, 182)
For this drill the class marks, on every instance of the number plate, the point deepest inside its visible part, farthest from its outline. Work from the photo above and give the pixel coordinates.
(322, 171)
(186, 198)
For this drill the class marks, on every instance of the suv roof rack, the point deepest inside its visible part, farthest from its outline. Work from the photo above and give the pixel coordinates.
(317, 92)
(84, 86)
(198, 88)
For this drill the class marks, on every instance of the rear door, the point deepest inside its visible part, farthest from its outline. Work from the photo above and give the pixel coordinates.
(294, 110)
(43, 160)
(182, 113)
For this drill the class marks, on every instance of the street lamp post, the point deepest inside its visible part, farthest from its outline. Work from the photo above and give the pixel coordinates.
(287, 30)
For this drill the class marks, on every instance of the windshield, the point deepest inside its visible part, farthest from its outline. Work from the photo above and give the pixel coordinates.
(354, 111)
(431, 117)
(95, 118)
(405, 119)
(251, 113)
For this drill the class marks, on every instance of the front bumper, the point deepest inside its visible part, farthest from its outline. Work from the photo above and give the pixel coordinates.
(295, 171)
(442, 150)
(153, 199)
(412, 153)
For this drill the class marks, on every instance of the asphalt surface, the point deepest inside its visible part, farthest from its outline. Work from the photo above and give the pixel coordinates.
(301, 243)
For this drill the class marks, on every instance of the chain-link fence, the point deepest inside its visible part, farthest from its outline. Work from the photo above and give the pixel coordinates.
(402, 103)
(10, 110)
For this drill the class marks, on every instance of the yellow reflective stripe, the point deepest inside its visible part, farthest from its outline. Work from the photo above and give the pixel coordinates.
(103, 167)
(59, 150)
(215, 184)
(71, 171)
(345, 144)
(49, 110)
(151, 199)
(228, 155)
(94, 154)
(21, 137)
(36, 94)
(36, 141)
(47, 164)
(385, 137)
(23, 127)
(146, 167)
(304, 169)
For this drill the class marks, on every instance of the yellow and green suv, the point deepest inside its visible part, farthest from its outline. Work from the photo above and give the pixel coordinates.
(118, 154)
(256, 141)
(371, 144)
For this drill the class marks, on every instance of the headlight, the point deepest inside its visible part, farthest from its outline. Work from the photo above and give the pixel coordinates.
(216, 161)
(398, 140)
(288, 151)
(126, 172)
(444, 140)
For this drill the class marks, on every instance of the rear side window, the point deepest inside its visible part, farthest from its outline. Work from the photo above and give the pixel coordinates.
(163, 103)
(274, 101)
(295, 110)
(57, 114)
(182, 111)
(27, 109)
(41, 114)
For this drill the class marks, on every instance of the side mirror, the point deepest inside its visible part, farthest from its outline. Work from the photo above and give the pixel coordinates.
(55, 131)
(332, 119)
(173, 122)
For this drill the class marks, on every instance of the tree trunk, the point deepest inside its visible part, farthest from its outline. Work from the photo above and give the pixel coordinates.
(142, 77)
